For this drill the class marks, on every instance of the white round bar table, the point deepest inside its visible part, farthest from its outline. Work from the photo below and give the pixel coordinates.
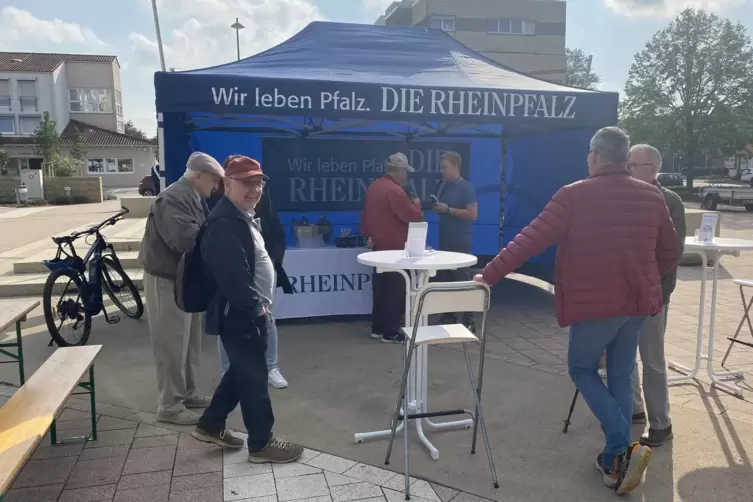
(416, 272)
(713, 250)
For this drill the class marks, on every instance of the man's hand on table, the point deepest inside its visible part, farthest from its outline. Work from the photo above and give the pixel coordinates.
(480, 278)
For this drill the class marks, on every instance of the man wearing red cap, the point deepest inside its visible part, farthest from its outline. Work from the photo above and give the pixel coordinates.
(234, 254)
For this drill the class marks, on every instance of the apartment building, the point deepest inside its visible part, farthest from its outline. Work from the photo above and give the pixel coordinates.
(82, 93)
(526, 35)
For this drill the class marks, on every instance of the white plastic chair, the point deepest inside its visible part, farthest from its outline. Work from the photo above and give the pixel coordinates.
(441, 298)
(746, 318)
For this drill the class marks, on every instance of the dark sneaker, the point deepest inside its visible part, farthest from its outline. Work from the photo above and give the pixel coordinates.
(633, 465)
(394, 338)
(639, 418)
(471, 326)
(223, 438)
(277, 451)
(656, 437)
(610, 474)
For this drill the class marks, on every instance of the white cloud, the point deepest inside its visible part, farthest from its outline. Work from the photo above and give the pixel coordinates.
(197, 34)
(19, 28)
(667, 8)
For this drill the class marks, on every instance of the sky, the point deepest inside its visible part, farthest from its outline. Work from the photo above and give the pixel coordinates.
(196, 33)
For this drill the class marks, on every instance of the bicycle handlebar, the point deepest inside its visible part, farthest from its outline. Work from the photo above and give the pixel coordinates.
(95, 229)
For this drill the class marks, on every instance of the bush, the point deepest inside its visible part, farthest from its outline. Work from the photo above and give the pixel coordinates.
(63, 167)
(109, 196)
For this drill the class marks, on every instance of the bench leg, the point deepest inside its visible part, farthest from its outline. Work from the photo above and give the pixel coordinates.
(89, 389)
(18, 357)
(21, 375)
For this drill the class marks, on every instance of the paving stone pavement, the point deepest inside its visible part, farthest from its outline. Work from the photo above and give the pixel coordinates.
(136, 461)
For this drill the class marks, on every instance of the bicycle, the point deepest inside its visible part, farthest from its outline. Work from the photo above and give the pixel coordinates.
(103, 268)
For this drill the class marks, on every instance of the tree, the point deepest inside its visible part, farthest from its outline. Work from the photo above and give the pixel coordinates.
(578, 73)
(691, 88)
(62, 167)
(78, 150)
(130, 129)
(4, 161)
(46, 140)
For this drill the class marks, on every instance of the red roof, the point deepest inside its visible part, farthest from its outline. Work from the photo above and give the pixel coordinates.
(45, 62)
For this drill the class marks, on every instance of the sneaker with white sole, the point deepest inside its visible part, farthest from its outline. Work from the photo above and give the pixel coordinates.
(276, 379)
(277, 451)
(632, 467)
(183, 417)
(198, 402)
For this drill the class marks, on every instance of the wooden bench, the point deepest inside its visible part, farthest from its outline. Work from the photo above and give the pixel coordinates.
(15, 312)
(27, 416)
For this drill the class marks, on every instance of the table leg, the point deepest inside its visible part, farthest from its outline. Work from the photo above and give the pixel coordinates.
(692, 373)
(716, 378)
(417, 388)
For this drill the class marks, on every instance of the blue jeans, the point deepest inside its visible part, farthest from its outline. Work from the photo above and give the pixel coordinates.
(272, 359)
(612, 404)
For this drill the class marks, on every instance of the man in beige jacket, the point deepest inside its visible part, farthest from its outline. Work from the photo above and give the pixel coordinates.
(176, 216)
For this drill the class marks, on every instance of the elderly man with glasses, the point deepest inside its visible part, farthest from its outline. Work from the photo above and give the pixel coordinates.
(645, 164)
(234, 253)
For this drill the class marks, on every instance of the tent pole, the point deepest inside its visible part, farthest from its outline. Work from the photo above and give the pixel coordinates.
(502, 187)
(159, 36)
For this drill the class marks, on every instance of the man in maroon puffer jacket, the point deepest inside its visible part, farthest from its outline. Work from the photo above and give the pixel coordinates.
(615, 240)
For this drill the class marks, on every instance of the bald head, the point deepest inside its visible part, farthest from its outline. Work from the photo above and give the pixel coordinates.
(645, 162)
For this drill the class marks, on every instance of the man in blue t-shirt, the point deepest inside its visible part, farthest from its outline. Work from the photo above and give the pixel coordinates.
(457, 209)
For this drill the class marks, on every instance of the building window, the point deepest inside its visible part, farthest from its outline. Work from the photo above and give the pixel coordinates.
(118, 104)
(27, 95)
(5, 94)
(109, 166)
(512, 26)
(29, 125)
(7, 125)
(446, 23)
(125, 166)
(121, 125)
(90, 100)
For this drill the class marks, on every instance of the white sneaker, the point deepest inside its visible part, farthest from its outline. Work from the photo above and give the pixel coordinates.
(276, 379)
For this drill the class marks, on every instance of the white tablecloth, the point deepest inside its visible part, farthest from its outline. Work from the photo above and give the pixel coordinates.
(327, 281)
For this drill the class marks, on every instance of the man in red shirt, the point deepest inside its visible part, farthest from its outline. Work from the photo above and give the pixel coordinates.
(615, 241)
(384, 222)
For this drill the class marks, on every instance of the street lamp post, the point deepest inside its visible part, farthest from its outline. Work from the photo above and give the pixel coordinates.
(237, 26)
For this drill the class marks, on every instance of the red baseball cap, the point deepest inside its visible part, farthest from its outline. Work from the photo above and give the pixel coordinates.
(241, 168)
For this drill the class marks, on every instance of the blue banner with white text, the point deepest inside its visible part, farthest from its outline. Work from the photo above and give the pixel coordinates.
(333, 174)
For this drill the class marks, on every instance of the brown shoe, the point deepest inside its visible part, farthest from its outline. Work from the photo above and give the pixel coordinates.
(223, 438)
(277, 451)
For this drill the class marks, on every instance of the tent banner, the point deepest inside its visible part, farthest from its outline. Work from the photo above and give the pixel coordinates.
(333, 174)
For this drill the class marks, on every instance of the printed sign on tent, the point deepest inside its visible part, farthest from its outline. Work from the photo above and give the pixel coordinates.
(333, 174)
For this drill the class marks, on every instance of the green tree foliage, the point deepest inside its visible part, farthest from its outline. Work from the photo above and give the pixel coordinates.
(46, 141)
(131, 130)
(578, 73)
(4, 161)
(691, 88)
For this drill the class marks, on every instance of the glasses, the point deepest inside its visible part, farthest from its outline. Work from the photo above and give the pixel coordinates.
(250, 183)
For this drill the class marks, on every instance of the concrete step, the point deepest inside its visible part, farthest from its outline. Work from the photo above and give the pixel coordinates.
(33, 265)
(18, 285)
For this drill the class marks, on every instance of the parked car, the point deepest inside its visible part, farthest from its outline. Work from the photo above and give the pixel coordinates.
(747, 176)
(146, 187)
(670, 179)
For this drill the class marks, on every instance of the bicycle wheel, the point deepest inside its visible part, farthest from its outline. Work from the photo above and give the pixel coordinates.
(121, 289)
(58, 312)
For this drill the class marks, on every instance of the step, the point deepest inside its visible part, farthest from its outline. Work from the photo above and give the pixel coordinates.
(18, 285)
(33, 265)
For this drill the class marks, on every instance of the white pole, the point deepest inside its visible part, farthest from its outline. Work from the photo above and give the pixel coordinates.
(161, 144)
(159, 41)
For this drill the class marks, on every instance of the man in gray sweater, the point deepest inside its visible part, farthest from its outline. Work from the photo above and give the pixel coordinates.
(174, 220)
(645, 164)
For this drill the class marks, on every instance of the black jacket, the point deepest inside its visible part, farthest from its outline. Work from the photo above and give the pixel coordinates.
(274, 237)
(228, 252)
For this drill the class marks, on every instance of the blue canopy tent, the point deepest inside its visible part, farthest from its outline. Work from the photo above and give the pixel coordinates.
(333, 85)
